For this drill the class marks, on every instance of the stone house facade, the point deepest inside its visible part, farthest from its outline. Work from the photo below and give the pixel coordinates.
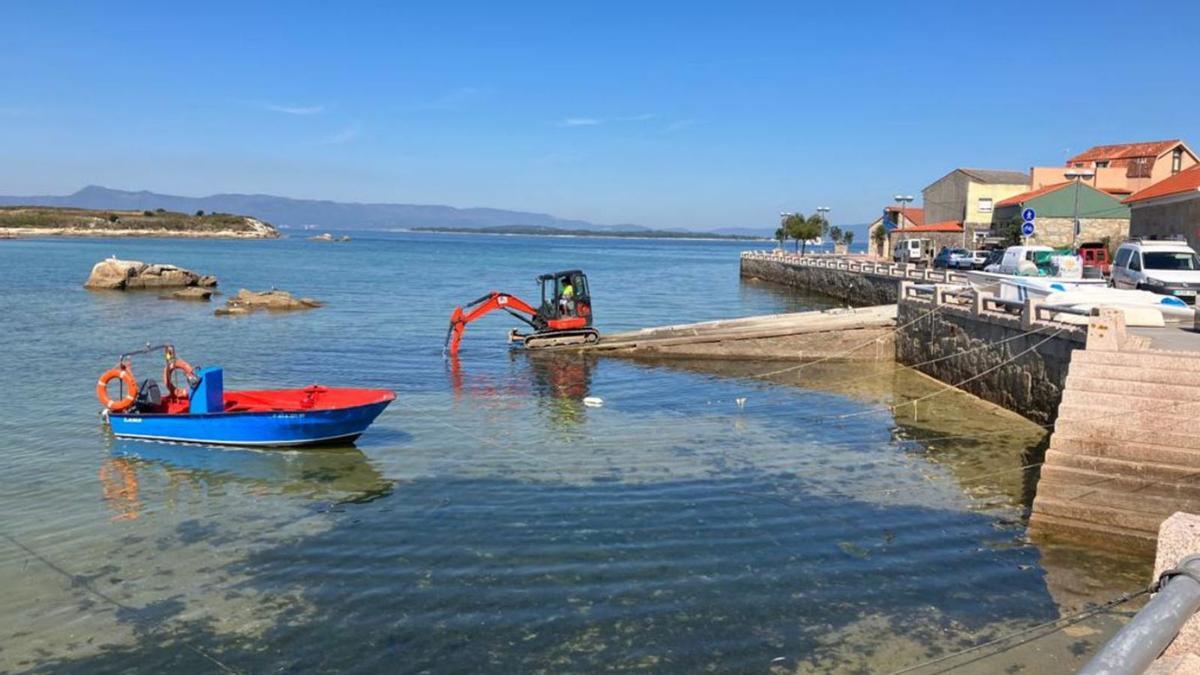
(1101, 215)
(1169, 208)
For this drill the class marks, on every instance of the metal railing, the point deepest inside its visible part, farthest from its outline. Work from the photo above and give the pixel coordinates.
(1141, 641)
(860, 266)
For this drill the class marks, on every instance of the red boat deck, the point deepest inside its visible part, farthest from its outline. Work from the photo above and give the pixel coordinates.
(310, 398)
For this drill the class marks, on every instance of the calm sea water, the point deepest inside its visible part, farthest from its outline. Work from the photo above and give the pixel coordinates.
(489, 521)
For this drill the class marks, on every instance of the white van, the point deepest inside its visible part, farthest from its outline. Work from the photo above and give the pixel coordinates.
(1165, 267)
(1023, 261)
(909, 250)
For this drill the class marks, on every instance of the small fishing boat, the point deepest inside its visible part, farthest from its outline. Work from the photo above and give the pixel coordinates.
(201, 411)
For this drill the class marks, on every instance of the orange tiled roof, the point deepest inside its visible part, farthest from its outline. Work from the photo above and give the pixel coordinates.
(913, 213)
(1026, 196)
(1120, 154)
(1184, 181)
(944, 226)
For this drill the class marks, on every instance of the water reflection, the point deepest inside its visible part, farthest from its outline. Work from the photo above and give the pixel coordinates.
(340, 472)
(557, 381)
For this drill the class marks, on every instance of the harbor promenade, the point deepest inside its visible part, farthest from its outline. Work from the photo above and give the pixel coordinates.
(1117, 400)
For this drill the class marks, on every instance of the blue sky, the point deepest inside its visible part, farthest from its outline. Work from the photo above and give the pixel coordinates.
(665, 114)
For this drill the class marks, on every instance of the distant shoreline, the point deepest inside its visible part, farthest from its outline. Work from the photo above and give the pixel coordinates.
(41, 221)
(581, 234)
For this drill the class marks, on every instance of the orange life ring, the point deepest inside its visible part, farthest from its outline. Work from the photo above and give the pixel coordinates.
(169, 370)
(126, 376)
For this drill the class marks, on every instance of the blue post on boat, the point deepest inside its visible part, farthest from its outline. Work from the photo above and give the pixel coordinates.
(209, 394)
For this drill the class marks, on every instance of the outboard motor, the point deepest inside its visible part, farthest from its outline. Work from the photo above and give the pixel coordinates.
(149, 398)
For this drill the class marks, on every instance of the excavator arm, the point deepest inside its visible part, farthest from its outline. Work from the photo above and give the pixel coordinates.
(477, 308)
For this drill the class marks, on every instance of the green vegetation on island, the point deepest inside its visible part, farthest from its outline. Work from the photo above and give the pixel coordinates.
(544, 231)
(64, 221)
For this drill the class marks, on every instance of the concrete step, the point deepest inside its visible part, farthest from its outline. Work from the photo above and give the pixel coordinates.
(1114, 399)
(1119, 539)
(1143, 389)
(1125, 478)
(1117, 468)
(1147, 453)
(1095, 514)
(1104, 491)
(1162, 360)
(1165, 415)
(1129, 429)
(1134, 373)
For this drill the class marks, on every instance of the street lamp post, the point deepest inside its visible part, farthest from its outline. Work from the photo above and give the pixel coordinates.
(901, 200)
(1077, 175)
(822, 210)
(783, 216)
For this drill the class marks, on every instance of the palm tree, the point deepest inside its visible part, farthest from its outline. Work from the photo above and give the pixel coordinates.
(803, 229)
(780, 235)
(847, 238)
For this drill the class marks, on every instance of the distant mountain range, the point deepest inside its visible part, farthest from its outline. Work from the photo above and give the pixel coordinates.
(296, 213)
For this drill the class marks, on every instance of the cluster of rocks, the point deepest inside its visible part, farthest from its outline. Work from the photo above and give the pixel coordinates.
(329, 237)
(123, 275)
(247, 301)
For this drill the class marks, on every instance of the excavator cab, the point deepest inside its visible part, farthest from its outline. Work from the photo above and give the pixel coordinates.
(562, 318)
(566, 301)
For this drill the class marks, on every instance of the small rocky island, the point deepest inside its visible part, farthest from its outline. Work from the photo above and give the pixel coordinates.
(123, 275)
(247, 301)
(45, 221)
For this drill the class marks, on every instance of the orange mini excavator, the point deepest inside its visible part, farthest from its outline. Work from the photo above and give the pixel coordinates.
(564, 316)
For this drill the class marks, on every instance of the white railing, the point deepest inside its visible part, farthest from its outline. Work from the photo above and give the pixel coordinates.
(860, 266)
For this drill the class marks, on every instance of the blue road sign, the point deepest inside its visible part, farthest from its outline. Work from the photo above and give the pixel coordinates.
(1027, 228)
(1028, 215)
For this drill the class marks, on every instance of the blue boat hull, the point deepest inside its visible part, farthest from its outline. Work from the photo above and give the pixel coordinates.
(291, 428)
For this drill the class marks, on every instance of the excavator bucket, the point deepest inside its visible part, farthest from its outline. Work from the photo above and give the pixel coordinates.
(454, 332)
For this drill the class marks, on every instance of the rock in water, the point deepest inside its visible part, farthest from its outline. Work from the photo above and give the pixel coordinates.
(274, 300)
(115, 274)
(192, 293)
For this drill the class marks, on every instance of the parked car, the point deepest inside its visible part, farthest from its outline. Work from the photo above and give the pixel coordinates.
(1161, 266)
(1096, 262)
(909, 250)
(975, 261)
(950, 258)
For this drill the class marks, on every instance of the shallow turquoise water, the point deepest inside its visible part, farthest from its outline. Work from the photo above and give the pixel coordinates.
(489, 521)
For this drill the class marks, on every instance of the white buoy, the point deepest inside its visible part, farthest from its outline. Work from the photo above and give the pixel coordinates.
(593, 401)
(741, 402)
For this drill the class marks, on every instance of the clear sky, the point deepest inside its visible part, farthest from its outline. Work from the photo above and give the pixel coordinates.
(666, 114)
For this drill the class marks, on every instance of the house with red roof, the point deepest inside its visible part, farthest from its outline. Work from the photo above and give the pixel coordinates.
(1101, 215)
(894, 218)
(1123, 168)
(1170, 207)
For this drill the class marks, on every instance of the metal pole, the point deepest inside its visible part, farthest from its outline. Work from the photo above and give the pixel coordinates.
(1143, 639)
(1075, 228)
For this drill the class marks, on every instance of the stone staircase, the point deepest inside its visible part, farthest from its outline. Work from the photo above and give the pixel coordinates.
(1123, 456)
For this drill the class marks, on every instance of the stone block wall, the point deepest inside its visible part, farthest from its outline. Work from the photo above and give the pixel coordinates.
(855, 288)
(972, 345)
(1057, 231)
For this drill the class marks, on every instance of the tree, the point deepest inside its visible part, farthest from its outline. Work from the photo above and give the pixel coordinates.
(879, 236)
(803, 229)
(781, 235)
(847, 238)
(835, 234)
(200, 212)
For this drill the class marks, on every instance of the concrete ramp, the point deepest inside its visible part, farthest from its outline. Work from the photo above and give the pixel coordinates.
(854, 334)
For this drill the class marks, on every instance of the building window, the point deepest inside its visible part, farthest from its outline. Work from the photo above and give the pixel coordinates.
(1177, 160)
(1102, 164)
(985, 205)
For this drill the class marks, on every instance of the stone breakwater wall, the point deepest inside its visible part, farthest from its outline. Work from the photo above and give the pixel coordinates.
(854, 280)
(1009, 357)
